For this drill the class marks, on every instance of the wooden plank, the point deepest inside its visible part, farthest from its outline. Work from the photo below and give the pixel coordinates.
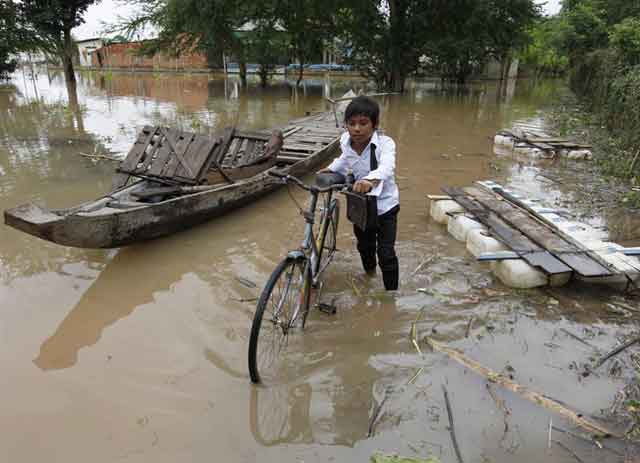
(514, 239)
(251, 152)
(218, 155)
(253, 135)
(294, 147)
(539, 233)
(296, 154)
(138, 149)
(199, 151)
(172, 163)
(163, 154)
(288, 160)
(193, 158)
(546, 140)
(609, 255)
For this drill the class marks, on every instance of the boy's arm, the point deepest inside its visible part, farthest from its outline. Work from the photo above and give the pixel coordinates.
(339, 165)
(386, 167)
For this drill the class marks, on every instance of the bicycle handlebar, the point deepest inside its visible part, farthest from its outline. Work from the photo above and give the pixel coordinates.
(304, 186)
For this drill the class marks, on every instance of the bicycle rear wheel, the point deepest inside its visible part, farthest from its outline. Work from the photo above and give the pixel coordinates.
(328, 238)
(284, 301)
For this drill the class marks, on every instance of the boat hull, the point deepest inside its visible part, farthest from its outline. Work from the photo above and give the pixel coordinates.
(122, 227)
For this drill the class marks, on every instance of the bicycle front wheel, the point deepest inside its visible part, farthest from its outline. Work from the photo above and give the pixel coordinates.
(328, 237)
(283, 303)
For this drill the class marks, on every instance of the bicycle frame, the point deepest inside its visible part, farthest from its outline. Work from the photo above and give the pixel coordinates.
(311, 243)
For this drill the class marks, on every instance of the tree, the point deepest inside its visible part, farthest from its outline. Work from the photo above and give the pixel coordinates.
(211, 26)
(385, 38)
(625, 39)
(507, 23)
(389, 38)
(543, 54)
(49, 23)
(309, 24)
(9, 36)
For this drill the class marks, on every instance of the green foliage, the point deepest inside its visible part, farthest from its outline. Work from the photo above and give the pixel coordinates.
(264, 45)
(585, 29)
(468, 32)
(13, 37)
(625, 39)
(542, 54)
(389, 39)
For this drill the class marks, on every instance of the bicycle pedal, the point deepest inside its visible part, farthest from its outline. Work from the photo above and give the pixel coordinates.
(329, 309)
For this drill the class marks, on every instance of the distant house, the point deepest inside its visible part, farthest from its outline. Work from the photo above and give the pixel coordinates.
(86, 48)
(126, 55)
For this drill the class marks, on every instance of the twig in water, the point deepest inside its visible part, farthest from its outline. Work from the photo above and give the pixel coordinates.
(577, 338)
(414, 331)
(616, 351)
(505, 411)
(530, 395)
(428, 260)
(99, 156)
(412, 380)
(451, 425)
(550, 429)
(245, 299)
(247, 283)
(355, 288)
(469, 326)
(589, 439)
(376, 412)
(573, 454)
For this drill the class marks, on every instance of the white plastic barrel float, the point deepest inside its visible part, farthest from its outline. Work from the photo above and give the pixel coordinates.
(440, 210)
(515, 273)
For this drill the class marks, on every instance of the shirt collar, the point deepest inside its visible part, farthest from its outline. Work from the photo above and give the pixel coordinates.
(346, 140)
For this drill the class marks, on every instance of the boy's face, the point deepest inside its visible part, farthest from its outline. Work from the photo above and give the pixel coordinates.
(360, 128)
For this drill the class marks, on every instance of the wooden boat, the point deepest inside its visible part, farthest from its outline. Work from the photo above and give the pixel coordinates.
(173, 180)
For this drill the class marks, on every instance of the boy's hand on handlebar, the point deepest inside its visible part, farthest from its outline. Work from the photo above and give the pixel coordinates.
(362, 186)
(324, 171)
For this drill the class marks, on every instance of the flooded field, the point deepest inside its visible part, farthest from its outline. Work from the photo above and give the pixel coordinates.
(139, 354)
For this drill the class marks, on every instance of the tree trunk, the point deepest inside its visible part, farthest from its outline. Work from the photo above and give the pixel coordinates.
(264, 75)
(397, 81)
(243, 72)
(397, 17)
(67, 67)
(300, 70)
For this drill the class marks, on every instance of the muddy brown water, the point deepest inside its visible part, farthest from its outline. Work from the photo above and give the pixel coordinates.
(139, 354)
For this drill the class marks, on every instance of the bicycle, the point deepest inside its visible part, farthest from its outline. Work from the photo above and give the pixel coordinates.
(286, 296)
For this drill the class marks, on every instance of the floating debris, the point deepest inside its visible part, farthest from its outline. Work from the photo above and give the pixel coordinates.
(536, 143)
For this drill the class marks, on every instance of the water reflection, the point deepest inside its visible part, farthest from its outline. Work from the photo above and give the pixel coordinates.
(331, 395)
(173, 302)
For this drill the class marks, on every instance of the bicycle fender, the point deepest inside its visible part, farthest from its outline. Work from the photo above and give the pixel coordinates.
(295, 255)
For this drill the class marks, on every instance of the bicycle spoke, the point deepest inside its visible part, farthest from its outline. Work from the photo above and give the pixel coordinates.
(279, 308)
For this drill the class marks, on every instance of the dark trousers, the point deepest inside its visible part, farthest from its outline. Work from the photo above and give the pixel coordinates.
(381, 239)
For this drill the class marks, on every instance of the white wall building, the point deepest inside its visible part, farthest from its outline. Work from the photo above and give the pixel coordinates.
(86, 48)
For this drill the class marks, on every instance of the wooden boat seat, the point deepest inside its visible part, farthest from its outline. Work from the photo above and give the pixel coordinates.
(172, 157)
(249, 153)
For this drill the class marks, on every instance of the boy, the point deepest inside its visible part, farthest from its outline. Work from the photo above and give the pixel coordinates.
(361, 118)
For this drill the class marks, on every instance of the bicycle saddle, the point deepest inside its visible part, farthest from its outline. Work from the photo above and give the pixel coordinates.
(325, 180)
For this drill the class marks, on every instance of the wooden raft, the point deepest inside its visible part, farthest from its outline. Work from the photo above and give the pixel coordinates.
(622, 262)
(528, 237)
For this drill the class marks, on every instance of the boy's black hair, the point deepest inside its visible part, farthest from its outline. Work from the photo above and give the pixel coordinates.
(363, 106)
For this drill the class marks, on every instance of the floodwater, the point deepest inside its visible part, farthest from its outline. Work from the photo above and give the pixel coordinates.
(139, 354)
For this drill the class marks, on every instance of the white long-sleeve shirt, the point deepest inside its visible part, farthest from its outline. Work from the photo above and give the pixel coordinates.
(386, 190)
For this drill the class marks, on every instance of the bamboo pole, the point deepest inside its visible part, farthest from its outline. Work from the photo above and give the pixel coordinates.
(535, 397)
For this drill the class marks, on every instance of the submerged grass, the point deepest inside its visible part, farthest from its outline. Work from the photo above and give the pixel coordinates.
(614, 158)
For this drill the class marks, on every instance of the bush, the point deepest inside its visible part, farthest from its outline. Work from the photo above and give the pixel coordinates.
(625, 39)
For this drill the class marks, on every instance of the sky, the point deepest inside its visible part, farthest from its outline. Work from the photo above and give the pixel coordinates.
(109, 10)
